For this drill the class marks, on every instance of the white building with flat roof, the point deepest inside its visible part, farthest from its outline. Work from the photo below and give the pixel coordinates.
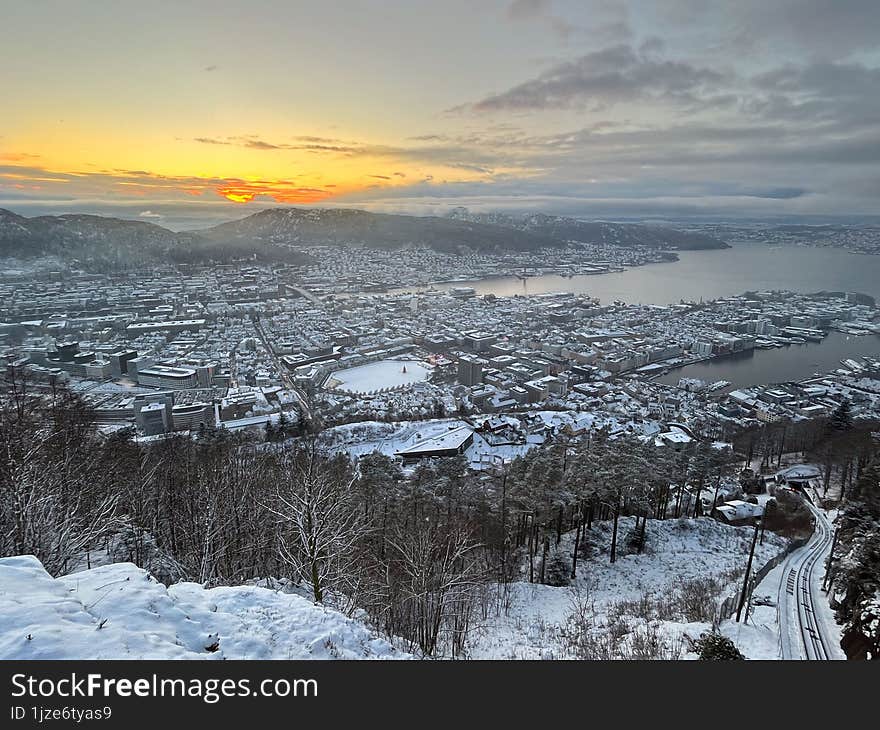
(163, 376)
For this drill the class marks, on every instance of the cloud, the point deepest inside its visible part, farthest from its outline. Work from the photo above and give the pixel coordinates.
(209, 140)
(824, 29)
(128, 184)
(684, 106)
(606, 77)
(307, 144)
(844, 94)
(18, 157)
(529, 10)
(259, 144)
(524, 9)
(454, 152)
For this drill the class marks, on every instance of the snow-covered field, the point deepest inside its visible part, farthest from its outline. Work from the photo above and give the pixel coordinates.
(376, 376)
(119, 611)
(678, 553)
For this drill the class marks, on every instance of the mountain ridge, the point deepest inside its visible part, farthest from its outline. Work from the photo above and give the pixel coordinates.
(605, 232)
(281, 234)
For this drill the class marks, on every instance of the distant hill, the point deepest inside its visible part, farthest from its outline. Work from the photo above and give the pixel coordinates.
(102, 242)
(279, 234)
(74, 236)
(616, 234)
(341, 226)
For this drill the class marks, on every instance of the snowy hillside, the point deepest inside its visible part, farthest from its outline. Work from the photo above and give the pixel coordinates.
(661, 595)
(608, 233)
(119, 611)
(342, 226)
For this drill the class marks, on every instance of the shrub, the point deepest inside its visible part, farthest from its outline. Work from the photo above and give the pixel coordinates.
(788, 515)
(558, 571)
(715, 647)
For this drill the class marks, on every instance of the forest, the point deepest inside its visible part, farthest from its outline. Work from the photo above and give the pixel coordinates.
(424, 554)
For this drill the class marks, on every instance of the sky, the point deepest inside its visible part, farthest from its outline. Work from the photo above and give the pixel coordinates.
(188, 113)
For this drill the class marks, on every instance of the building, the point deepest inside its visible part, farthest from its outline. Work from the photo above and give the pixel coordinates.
(450, 443)
(470, 370)
(205, 374)
(152, 419)
(171, 325)
(800, 476)
(119, 361)
(136, 364)
(98, 369)
(152, 413)
(65, 351)
(738, 512)
(237, 405)
(477, 341)
(163, 376)
(190, 417)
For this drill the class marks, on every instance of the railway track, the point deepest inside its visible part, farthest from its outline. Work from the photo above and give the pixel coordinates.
(802, 632)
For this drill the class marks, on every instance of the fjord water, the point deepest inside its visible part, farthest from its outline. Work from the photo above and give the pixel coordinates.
(713, 274)
(794, 362)
(710, 275)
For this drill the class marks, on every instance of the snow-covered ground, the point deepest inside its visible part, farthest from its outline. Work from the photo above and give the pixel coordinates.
(119, 611)
(774, 629)
(678, 553)
(376, 376)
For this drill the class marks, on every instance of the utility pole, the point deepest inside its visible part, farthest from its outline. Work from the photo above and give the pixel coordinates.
(825, 579)
(742, 597)
(504, 528)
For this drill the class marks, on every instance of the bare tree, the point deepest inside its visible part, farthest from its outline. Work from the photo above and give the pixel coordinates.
(437, 582)
(319, 523)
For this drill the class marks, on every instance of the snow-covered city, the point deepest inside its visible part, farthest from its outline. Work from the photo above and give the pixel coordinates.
(412, 359)
(440, 388)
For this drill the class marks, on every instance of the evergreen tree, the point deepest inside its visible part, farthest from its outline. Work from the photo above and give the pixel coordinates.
(841, 418)
(558, 569)
(715, 647)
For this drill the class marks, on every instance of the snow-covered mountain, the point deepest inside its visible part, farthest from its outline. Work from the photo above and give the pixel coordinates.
(341, 226)
(278, 234)
(102, 242)
(574, 229)
(119, 611)
(85, 236)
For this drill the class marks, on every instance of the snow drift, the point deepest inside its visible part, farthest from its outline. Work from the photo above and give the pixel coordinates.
(120, 611)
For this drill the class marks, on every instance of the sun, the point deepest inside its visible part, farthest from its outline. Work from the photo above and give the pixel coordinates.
(237, 196)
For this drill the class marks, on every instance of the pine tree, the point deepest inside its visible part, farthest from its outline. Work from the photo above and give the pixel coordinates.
(841, 418)
(558, 570)
(715, 647)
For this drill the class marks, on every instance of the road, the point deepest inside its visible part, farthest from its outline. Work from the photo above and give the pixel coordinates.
(303, 293)
(804, 616)
(305, 411)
